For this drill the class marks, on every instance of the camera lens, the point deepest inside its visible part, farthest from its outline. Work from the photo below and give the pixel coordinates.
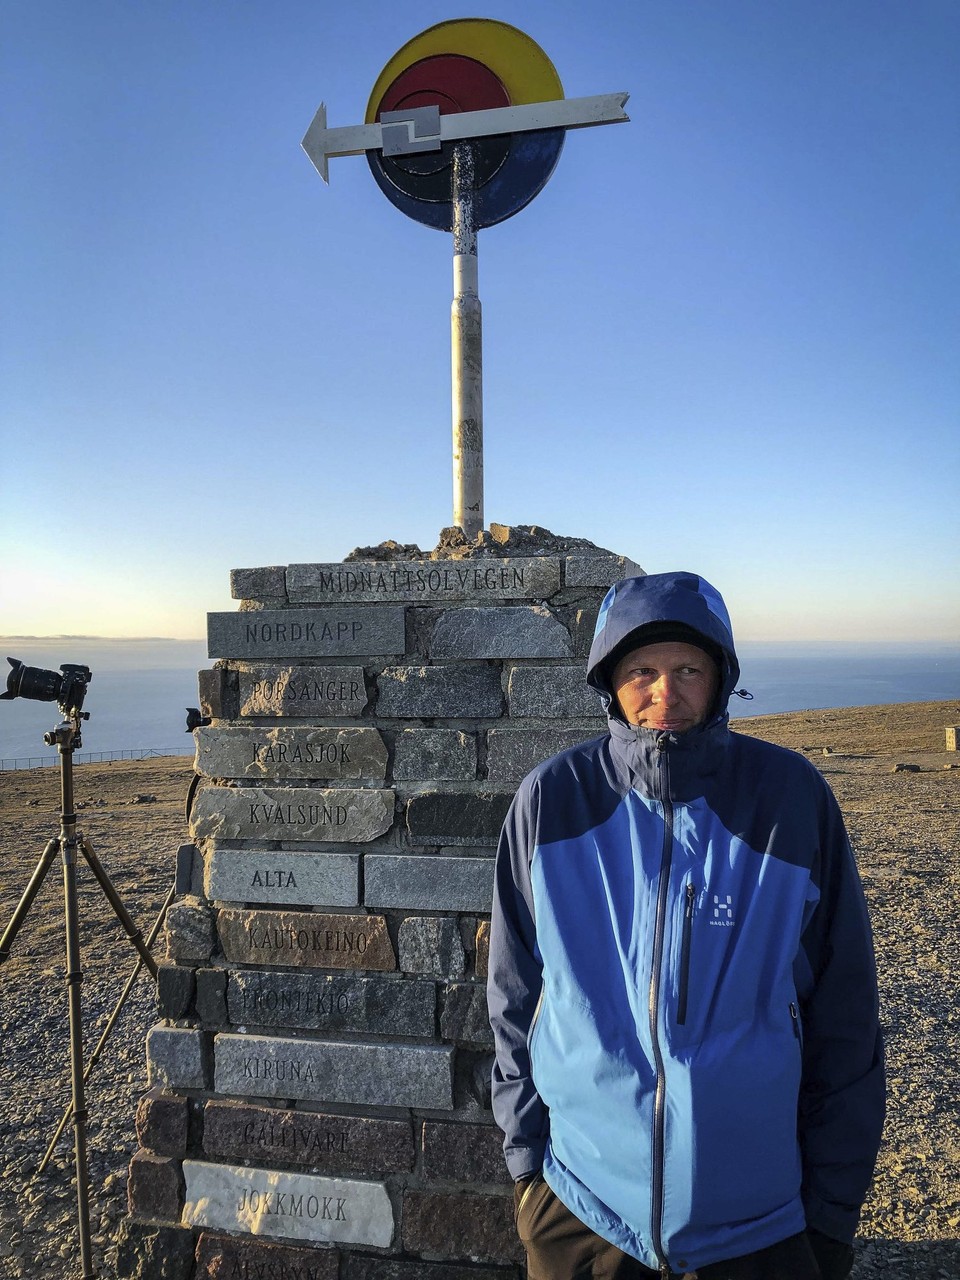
(32, 682)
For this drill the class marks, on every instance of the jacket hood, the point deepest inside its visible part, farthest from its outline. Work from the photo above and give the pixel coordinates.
(681, 599)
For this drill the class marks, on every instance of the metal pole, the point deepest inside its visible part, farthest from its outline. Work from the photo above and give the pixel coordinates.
(466, 341)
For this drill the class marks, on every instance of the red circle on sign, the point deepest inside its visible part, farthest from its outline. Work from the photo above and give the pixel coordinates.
(449, 81)
(454, 83)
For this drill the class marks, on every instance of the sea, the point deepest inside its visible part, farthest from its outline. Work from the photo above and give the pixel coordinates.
(140, 689)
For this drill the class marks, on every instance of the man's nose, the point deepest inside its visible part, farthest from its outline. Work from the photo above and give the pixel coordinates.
(667, 690)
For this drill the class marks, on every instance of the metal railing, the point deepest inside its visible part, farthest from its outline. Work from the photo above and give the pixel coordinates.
(91, 757)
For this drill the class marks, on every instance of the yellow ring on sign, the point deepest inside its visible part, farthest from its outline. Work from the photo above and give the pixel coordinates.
(523, 68)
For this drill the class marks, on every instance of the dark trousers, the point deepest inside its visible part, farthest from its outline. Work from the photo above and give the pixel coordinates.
(560, 1247)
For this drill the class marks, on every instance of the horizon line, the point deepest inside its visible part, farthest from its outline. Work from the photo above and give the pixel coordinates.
(950, 642)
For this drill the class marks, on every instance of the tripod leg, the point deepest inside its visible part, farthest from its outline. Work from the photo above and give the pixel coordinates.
(31, 891)
(74, 979)
(101, 1043)
(132, 932)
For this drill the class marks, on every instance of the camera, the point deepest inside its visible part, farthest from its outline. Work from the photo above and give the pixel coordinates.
(66, 687)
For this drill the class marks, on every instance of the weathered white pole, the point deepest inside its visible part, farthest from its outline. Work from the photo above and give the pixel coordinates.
(466, 341)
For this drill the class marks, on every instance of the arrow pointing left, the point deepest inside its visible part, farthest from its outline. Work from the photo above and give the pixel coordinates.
(320, 143)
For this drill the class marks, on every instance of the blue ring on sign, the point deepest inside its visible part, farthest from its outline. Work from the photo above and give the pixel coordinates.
(530, 162)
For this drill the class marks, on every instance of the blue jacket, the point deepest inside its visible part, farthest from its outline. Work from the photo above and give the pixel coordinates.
(682, 984)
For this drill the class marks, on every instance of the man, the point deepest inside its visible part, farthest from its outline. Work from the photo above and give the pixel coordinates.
(682, 983)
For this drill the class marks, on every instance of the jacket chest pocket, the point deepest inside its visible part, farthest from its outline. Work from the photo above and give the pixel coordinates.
(686, 943)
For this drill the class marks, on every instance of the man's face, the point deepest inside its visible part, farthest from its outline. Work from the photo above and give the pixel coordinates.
(669, 686)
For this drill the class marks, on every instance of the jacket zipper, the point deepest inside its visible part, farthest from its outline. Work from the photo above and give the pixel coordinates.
(797, 1030)
(659, 1102)
(691, 895)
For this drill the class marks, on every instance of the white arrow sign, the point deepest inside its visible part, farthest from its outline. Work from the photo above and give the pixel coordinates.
(424, 129)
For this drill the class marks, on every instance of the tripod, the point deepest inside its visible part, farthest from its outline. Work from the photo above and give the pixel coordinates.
(66, 738)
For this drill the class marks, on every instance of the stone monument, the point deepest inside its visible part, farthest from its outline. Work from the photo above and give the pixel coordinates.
(319, 1102)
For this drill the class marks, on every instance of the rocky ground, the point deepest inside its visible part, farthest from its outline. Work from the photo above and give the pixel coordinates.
(900, 793)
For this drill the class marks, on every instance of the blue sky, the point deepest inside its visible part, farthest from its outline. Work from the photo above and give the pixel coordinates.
(723, 338)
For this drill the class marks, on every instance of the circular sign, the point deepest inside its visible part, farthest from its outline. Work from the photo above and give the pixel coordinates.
(469, 64)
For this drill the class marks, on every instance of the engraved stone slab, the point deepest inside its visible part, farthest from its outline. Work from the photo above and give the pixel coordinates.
(290, 751)
(290, 1206)
(424, 581)
(254, 875)
(247, 1258)
(552, 692)
(429, 883)
(525, 632)
(386, 1075)
(306, 939)
(326, 1143)
(306, 633)
(291, 813)
(302, 691)
(316, 1003)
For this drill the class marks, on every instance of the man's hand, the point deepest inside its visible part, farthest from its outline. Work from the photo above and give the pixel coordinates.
(834, 1258)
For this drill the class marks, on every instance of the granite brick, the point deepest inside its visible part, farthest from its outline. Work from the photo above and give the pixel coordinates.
(430, 882)
(451, 692)
(154, 1251)
(266, 583)
(431, 944)
(464, 1015)
(212, 996)
(357, 1266)
(175, 1058)
(471, 1153)
(175, 985)
(531, 631)
(188, 930)
(484, 1226)
(457, 817)
(598, 570)
(161, 1123)
(512, 753)
(155, 1187)
(555, 693)
(439, 755)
